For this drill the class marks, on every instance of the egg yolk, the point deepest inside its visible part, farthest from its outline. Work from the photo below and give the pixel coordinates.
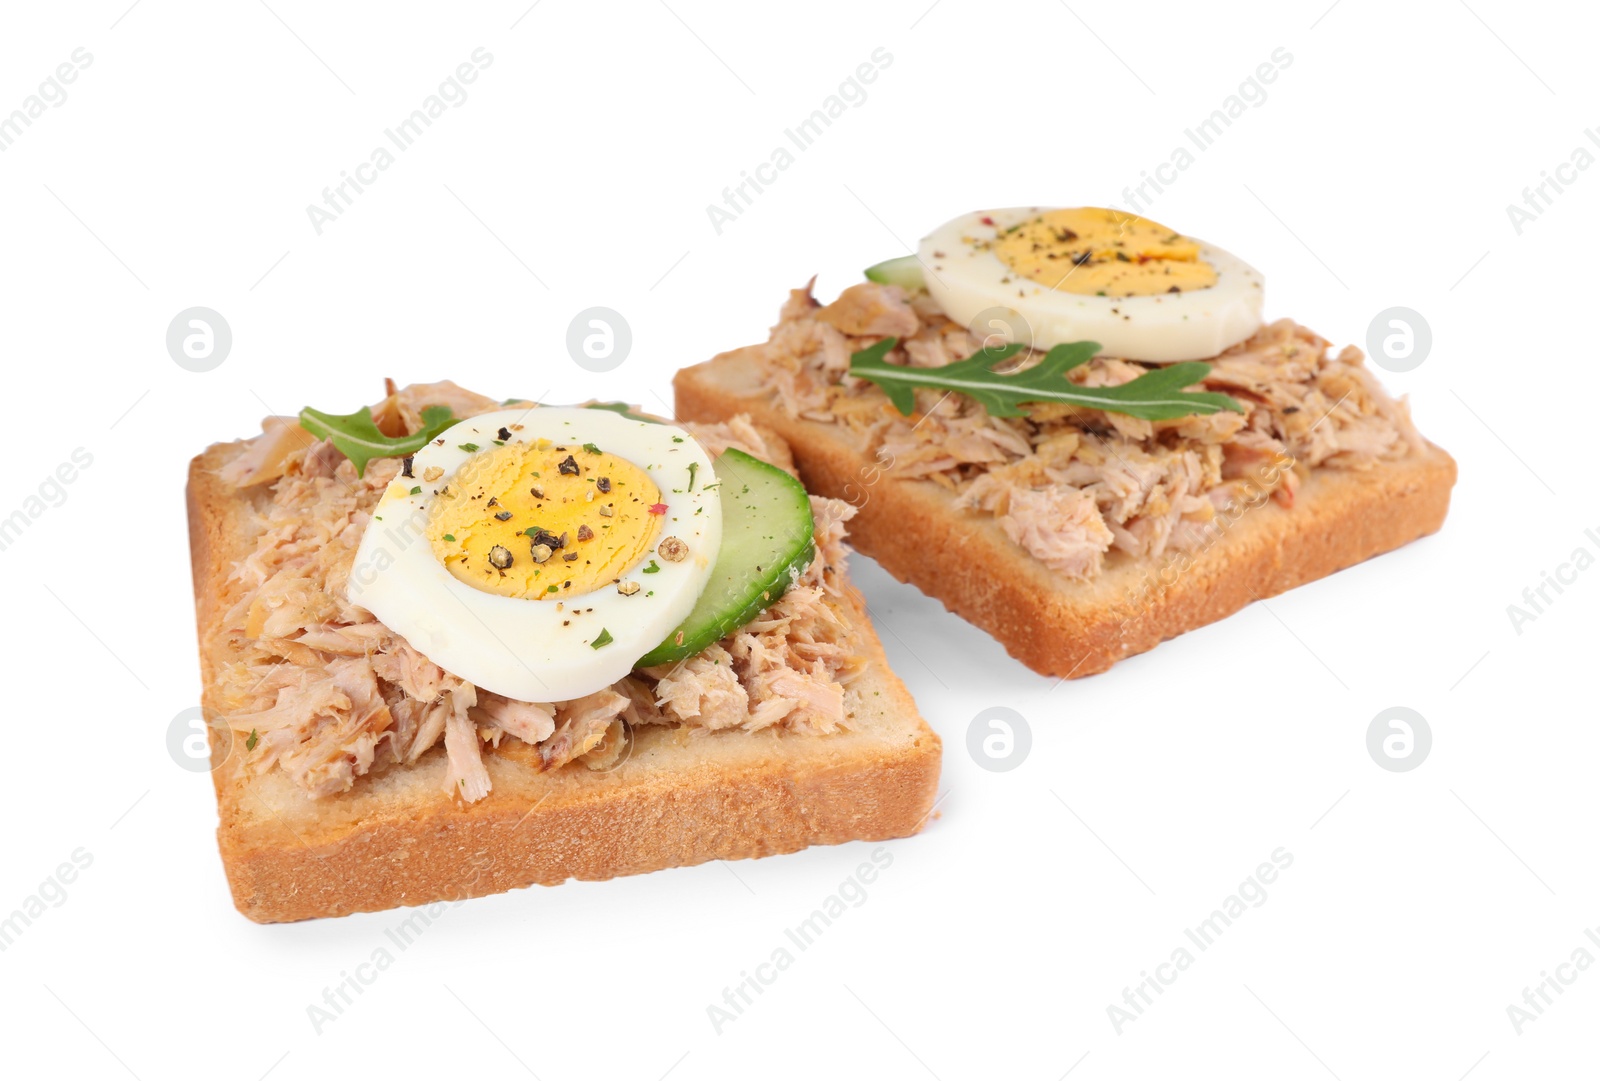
(543, 521)
(1097, 252)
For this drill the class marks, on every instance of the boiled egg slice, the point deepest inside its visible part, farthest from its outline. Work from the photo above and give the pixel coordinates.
(1045, 277)
(539, 553)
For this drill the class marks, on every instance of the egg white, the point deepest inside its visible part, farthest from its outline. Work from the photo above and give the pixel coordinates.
(968, 281)
(517, 647)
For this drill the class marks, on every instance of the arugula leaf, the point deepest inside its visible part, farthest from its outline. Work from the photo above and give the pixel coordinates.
(357, 437)
(621, 409)
(1157, 395)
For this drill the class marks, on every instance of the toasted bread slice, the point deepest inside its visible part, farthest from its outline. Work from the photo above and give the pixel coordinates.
(1056, 625)
(677, 798)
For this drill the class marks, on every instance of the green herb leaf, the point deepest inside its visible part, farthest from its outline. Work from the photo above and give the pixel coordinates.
(470, 448)
(653, 568)
(451, 537)
(357, 437)
(417, 490)
(621, 409)
(591, 448)
(602, 639)
(1159, 394)
(694, 467)
(250, 743)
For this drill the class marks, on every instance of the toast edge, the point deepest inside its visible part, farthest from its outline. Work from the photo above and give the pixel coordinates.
(463, 851)
(905, 525)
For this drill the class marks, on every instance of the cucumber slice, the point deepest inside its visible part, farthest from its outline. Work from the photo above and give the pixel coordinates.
(906, 272)
(766, 544)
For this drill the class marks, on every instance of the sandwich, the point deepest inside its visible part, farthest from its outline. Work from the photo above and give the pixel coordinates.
(1074, 428)
(451, 646)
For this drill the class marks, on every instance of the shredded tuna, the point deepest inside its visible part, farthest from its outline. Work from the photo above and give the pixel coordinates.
(583, 724)
(793, 659)
(879, 311)
(739, 434)
(319, 728)
(1068, 484)
(316, 687)
(705, 689)
(268, 454)
(531, 722)
(1059, 524)
(466, 773)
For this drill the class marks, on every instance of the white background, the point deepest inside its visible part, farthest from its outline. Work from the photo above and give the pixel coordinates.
(1376, 173)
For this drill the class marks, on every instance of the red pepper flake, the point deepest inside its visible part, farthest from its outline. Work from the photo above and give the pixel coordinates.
(986, 220)
(658, 508)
